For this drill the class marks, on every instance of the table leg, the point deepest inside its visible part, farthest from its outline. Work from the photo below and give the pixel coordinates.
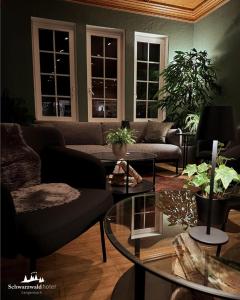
(139, 286)
(186, 161)
(154, 174)
(184, 151)
(137, 247)
(127, 178)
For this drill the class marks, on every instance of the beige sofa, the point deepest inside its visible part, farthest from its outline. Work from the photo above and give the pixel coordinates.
(91, 138)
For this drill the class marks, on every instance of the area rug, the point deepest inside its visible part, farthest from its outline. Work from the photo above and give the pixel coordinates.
(166, 182)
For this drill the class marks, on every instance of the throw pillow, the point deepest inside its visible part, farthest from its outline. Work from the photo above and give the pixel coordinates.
(156, 131)
(20, 164)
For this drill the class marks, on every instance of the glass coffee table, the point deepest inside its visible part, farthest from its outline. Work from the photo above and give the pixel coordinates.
(151, 231)
(127, 190)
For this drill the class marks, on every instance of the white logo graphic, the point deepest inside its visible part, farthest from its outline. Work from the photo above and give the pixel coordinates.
(33, 278)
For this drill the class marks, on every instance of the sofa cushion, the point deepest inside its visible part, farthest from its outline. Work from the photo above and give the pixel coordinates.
(107, 126)
(163, 151)
(61, 224)
(90, 148)
(20, 164)
(140, 130)
(156, 131)
(80, 133)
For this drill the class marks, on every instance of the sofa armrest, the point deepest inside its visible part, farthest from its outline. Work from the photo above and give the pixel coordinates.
(78, 169)
(40, 137)
(173, 137)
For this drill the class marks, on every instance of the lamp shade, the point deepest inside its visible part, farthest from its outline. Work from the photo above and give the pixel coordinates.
(216, 123)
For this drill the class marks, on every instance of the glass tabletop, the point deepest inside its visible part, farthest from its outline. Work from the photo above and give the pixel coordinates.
(152, 231)
(130, 156)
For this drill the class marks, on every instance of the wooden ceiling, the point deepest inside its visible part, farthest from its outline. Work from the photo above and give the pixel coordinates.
(185, 10)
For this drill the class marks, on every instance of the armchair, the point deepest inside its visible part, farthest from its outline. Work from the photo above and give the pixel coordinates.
(38, 233)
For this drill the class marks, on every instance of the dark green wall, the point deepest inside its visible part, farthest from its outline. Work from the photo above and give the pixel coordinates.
(18, 77)
(219, 34)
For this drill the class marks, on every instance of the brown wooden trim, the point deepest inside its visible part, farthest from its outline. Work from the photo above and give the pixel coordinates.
(208, 7)
(157, 9)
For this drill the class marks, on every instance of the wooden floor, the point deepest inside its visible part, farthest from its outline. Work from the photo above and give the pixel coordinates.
(77, 269)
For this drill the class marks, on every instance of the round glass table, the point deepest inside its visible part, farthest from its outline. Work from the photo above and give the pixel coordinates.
(151, 230)
(142, 187)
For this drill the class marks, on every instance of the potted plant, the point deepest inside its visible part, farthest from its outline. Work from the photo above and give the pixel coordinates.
(119, 139)
(189, 85)
(226, 183)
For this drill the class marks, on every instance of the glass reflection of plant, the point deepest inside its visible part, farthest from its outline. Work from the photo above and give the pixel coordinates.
(179, 207)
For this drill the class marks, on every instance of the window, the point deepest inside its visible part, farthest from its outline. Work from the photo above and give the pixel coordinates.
(54, 74)
(150, 60)
(147, 219)
(105, 70)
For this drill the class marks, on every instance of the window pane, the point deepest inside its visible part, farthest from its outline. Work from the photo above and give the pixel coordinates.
(97, 88)
(141, 109)
(45, 39)
(48, 106)
(152, 90)
(61, 41)
(47, 85)
(149, 220)
(138, 221)
(142, 90)
(98, 109)
(110, 47)
(111, 89)
(97, 67)
(64, 107)
(96, 45)
(142, 51)
(152, 110)
(154, 52)
(141, 71)
(111, 109)
(62, 64)
(110, 68)
(63, 86)
(46, 62)
(153, 72)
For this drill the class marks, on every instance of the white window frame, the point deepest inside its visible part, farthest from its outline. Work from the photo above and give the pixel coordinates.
(155, 230)
(150, 38)
(120, 36)
(59, 26)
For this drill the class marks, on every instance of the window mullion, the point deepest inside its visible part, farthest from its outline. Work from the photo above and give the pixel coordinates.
(55, 76)
(147, 80)
(104, 78)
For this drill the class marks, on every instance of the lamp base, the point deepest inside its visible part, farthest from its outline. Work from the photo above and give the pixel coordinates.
(216, 236)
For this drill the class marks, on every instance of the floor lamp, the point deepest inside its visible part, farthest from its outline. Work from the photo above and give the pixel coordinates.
(216, 124)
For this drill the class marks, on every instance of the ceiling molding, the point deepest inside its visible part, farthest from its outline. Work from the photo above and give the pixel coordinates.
(173, 9)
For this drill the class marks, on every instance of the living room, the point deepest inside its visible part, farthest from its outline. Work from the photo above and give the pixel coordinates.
(72, 71)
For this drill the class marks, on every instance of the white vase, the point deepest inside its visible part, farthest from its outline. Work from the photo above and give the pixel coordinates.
(119, 150)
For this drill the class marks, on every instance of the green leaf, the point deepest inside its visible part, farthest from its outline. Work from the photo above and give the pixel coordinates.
(190, 170)
(226, 175)
(203, 167)
(200, 180)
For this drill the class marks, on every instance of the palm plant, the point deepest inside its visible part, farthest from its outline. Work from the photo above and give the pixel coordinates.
(190, 84)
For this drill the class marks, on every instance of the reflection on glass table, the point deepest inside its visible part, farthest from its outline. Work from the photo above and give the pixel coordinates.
(151, 231)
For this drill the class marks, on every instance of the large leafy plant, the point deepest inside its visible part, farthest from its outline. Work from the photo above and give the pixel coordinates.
(121, 136)
(225, 181)
(189, 85)
(191, 123)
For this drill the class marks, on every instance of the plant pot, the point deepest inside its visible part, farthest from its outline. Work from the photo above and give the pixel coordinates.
(119, 150)
(219, 210)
